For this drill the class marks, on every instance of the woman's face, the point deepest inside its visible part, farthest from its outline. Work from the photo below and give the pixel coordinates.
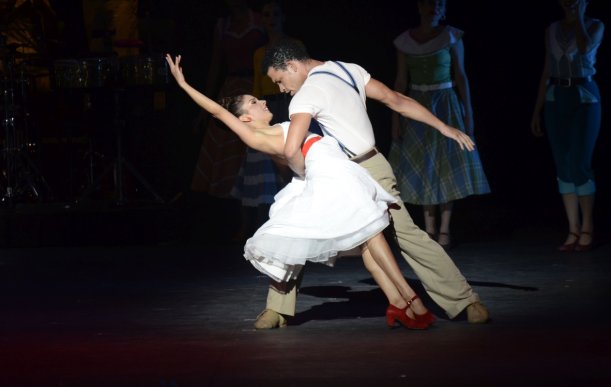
(433, 9)
(571, 6)
(256, 109)
(272, 17)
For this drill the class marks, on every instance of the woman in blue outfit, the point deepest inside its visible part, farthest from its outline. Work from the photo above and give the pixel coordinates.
(431, 170)
(570, 101)
(260, 177)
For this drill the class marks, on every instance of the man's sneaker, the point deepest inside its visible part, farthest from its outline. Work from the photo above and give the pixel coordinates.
(269, 319)
(477, 313)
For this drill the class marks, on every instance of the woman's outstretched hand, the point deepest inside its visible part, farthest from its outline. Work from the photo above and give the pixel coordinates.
(175, 68)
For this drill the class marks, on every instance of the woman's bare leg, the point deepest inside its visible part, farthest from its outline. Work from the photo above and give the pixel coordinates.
(586, 203)
(430, 223)
(380, 253)
(445, 211)
(389, 289)
(571, 208)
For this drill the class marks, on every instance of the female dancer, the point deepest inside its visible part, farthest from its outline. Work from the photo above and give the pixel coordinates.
(431, 170)
(570, 101)
(312, 220)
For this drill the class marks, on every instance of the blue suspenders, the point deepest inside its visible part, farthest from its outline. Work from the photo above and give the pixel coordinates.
(347, 151)
(353, 84)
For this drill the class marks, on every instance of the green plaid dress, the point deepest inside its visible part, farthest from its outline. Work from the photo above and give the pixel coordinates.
(431, 168)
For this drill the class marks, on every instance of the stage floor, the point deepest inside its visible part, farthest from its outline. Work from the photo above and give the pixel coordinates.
(181, 314)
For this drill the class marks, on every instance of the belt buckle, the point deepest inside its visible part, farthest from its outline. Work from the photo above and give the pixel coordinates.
(565, 82)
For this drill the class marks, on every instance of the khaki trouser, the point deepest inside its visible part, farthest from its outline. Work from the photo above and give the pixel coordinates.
(439, 275)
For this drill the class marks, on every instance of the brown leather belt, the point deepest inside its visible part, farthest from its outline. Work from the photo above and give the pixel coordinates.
(568, 82)
(365, 156)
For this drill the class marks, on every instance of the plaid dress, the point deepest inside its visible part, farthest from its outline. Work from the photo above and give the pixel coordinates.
(431, 168)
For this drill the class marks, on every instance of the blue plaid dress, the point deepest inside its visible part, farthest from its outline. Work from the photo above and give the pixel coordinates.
(431, 168)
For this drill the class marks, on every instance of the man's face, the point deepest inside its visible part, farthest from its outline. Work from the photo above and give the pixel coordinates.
(289, 80)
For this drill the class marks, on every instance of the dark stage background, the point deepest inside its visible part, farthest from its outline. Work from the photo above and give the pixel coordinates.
(504, 57)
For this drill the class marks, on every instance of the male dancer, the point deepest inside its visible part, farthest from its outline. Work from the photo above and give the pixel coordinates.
(334, 93)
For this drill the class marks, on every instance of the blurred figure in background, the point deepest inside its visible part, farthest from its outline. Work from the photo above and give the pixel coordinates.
(260, 177)
(28, 27)
(432, 170)
(107, 21)
(236, 37)
(570, 101)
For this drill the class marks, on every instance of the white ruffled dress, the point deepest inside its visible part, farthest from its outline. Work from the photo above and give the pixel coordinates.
(336, 208)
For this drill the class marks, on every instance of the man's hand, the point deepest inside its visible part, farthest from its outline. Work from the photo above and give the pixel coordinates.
(460, 137)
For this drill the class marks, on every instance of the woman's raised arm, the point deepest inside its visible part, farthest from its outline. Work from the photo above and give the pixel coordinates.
(247, 134)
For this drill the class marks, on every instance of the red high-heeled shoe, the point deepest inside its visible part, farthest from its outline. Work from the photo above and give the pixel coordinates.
(569, 247)
(427, 318)
(394, 315)
(586, 247)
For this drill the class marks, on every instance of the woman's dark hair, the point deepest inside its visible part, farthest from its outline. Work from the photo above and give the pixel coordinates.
(233, 104)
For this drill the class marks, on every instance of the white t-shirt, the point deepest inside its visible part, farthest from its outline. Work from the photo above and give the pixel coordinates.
(336, 105)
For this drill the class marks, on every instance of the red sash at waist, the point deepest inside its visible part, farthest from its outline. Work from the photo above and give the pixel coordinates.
(306, 146)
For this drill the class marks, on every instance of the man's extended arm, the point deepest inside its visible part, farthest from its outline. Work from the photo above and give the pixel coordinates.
(411, 108)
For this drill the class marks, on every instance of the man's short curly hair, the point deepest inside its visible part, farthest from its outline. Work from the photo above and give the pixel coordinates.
(278, 55)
